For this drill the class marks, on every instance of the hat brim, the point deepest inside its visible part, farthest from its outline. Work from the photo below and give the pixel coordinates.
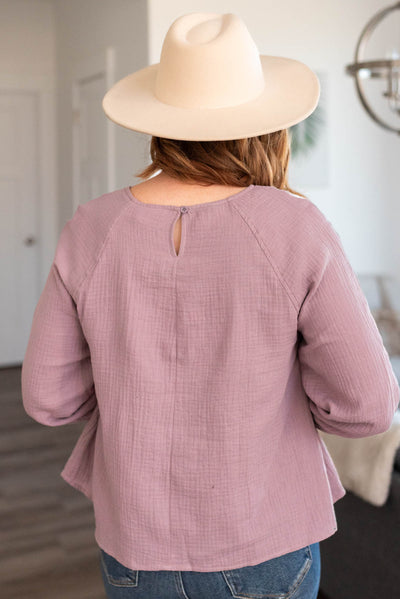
(291, 94)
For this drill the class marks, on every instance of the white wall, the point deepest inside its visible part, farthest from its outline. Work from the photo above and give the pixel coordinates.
(27, 37)
(85, 28)
(362, 200)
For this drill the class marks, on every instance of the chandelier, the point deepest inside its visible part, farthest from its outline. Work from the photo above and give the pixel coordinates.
(387, 69)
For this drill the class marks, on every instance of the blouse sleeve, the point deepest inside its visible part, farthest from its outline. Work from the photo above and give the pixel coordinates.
(345, 368)
(56, 379)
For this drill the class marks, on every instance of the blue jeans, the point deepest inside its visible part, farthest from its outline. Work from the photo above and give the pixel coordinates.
(295, 575)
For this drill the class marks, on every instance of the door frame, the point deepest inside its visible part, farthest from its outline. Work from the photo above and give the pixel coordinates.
(102, 64)
(43, 86)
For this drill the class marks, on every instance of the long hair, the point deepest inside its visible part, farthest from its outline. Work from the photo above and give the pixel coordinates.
(260, 160)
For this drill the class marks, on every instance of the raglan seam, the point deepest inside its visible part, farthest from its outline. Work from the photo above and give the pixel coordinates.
(267, 253)
(59, 276)
(90, 270)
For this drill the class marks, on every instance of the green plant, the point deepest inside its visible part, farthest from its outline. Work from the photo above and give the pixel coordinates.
(304, 135)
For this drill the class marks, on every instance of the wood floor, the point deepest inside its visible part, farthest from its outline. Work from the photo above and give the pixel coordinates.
(47, 545)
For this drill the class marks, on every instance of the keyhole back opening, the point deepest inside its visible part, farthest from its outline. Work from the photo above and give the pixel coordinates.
(177, 234)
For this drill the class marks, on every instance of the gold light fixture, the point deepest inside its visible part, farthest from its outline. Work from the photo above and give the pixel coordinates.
(387, 69)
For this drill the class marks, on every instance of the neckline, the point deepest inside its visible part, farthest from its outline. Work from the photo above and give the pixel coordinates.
(231, 197)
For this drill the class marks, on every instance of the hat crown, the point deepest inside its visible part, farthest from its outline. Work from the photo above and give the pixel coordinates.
(208, 60)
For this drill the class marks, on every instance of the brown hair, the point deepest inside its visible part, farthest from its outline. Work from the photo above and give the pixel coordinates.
(260, 160)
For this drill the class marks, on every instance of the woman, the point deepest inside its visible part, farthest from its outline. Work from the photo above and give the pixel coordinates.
(206, 322)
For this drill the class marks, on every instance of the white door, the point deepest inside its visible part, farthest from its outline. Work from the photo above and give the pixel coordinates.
(92, 139)
(19, 226)
(93, 144)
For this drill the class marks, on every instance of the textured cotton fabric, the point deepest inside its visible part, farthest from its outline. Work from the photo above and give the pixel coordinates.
(204, 376)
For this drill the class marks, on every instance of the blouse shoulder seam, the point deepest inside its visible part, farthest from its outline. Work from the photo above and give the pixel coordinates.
(267, 254)
(90, 271)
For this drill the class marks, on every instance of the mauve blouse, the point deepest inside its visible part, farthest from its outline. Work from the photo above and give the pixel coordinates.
(204, 376)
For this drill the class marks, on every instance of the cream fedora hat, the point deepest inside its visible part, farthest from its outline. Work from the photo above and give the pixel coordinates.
(212, 84)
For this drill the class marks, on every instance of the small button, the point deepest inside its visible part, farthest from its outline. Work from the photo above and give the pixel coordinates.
(184, 209)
